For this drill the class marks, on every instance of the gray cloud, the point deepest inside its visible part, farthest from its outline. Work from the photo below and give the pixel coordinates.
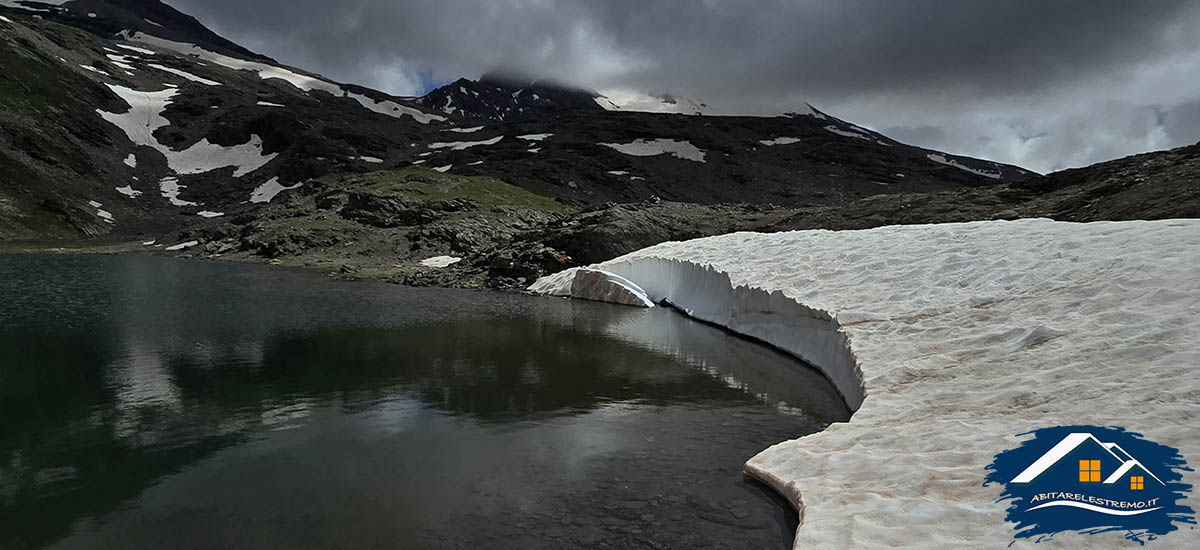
(1046, 84)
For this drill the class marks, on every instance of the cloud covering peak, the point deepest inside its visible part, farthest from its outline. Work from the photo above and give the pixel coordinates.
(1042, 84)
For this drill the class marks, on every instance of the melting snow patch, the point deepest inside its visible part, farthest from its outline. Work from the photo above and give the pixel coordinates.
(393, 109)
(151, 22)
(268, 104)
(534, 137)
(142, 51)
(534, 150)
(94, 70)
(182, 246)
(443, 169)
(170, 189)
(303, 82)
(780, 141)
(374, 160)
(476, 163)
(121, 61)
(101, 213)
(941, 159)
(460, 145)
(6, 20)
(642, 148)
(150, 242)
(617, 173)
(422, 161)
(440, 261)
(209, 214)
(465, 130)
(131, 160)
(185, 74)
(145, 116)
(129, 191)
(268, 190)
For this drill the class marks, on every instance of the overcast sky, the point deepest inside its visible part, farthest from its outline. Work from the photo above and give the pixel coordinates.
(1044, 84)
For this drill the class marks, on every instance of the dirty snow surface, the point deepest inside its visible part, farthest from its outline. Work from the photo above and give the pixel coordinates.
(642, 148)
(961, 337)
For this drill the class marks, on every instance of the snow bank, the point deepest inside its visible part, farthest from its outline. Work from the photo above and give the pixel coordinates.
(440, 261)
(941, 159)
(144, 117)
(182, 246)
(642, 148)
(959, 336)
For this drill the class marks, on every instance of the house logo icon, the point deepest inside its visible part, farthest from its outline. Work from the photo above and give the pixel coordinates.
(1091, 479)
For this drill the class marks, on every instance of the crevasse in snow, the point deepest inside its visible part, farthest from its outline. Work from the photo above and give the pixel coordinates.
(964, 336)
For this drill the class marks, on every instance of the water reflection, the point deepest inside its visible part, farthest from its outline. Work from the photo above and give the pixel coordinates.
(157, 402)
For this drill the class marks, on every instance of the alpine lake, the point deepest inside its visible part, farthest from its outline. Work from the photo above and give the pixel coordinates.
(154, 402)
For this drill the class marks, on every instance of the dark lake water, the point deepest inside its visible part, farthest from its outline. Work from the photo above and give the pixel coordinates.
(161, 403)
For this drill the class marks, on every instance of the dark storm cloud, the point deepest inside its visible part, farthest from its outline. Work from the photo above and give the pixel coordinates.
(1042, 83)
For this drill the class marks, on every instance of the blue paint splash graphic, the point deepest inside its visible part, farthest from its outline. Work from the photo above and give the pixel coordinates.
(1115, 480)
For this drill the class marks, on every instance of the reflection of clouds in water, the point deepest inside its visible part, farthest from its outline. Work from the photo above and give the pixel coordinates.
(140, 381)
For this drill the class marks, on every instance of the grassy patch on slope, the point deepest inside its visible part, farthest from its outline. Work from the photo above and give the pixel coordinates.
(429, 185)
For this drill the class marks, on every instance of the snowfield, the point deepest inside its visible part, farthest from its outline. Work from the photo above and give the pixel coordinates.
(947, 340)
(144, 117)
(642, 148)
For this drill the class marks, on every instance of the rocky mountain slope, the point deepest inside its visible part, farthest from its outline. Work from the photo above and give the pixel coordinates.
(127, 118)
(126, 122)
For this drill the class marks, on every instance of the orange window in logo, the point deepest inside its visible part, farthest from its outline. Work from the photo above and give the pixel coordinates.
(1136, 482)
(1089, 471)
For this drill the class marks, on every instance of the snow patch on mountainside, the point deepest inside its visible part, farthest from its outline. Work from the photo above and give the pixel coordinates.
(440, 261)
(269, 189)
(264, 71)
(144, 117)
(965, 336)
(779, 141)
(184, 74)
(642, 148)
(129, 191)
(860, 134)
(460, 145)
(395, 110)
(941, 159)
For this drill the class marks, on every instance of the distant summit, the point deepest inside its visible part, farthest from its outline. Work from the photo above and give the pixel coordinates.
(507, 96)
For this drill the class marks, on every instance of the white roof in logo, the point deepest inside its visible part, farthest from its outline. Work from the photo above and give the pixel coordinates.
(1070, 443)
